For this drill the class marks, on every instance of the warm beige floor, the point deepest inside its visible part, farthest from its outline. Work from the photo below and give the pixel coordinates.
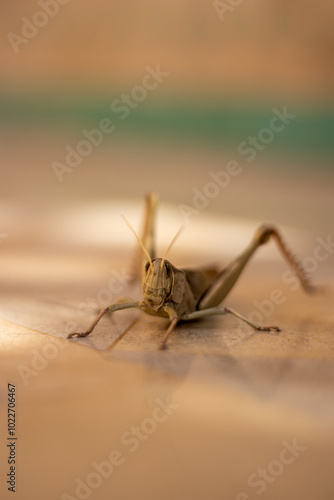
(236, 401)
(231, 415)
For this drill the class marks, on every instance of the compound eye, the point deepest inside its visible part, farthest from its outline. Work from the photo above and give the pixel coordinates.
(168, 269)
(147, 265)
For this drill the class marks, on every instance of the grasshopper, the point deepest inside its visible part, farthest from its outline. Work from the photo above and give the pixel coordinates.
(187, 294)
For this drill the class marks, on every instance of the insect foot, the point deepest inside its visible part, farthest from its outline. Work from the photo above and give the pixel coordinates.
(77, 335)
(268, 328)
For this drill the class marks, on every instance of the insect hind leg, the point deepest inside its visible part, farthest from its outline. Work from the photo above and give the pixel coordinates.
(225, 281)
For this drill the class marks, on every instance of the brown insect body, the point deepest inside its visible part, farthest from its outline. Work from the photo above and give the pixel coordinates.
(188, 294)
(167, 288)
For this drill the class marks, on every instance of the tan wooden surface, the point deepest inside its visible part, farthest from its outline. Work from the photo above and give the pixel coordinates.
(239, 398)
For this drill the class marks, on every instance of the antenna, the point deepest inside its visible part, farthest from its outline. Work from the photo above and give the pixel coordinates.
(171, 244)
(138, 239)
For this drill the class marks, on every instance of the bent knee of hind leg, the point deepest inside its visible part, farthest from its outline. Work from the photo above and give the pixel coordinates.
(264, 232)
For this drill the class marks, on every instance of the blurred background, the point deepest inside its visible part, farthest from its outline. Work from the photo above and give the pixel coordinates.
(101, 102)
(180, 86)
(65, 63)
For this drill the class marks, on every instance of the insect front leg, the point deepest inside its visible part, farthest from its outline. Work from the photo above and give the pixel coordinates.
(225, 281)
(167, 334)
(174, 320)
(214, 311)
(121, 304)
